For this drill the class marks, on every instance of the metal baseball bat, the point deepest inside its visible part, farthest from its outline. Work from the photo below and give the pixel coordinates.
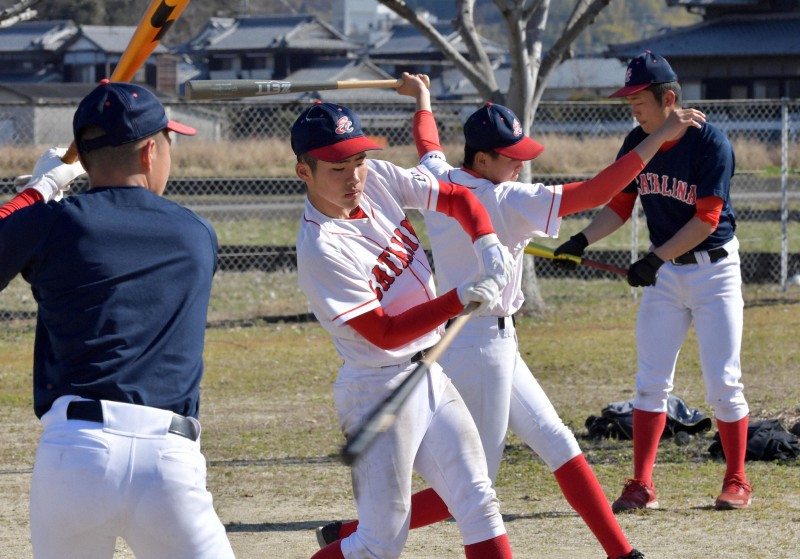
(155, 22)
(384, 416)
(547, 252)
(235, 89)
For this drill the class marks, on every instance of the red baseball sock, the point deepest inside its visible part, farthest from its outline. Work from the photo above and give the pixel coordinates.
(426, 508)
(733, 437)
(332, 551)
(496, 548)
(582, 490)
(647, 430)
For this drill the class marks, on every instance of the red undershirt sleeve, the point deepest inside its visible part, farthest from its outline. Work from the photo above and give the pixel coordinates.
(708, 210)
(622, 204)
(26, 198)
(391, 332)
(426, 135)
(459, 203)
(579, 196)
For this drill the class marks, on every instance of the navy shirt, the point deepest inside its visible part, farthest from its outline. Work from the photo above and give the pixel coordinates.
(700, 165)
(122, 278)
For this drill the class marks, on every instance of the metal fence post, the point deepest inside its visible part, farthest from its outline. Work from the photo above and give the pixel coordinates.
(784, 191)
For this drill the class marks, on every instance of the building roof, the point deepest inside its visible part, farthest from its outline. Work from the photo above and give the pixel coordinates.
(111, 39)
(596, 74)
(730, 35)
(36, 35)
(405, 40)
(44, 92)
(273, 32)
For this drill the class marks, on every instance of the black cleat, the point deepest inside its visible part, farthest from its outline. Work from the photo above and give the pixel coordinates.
(328, 534)
(634, 554)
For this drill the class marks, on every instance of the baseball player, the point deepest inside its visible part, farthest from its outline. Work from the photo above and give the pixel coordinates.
(370, 285)
(691, 274)
(122, 279)
(484, 361)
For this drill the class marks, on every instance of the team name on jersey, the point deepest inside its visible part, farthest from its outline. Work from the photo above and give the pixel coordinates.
(395, 258)
(655, 184)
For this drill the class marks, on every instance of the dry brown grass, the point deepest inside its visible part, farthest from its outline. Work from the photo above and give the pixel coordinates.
(563, 155)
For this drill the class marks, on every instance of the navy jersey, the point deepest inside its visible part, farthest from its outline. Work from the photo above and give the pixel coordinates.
(122, 278)
(700, 165)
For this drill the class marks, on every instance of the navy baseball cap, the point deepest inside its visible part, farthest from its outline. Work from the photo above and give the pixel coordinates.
(497, 128)
(126, 112)
(330, 133)
(644, 70)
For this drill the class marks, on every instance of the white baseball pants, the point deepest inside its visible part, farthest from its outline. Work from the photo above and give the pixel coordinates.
(433, 435)
(501, 393)
(126, 477)
(710, 295)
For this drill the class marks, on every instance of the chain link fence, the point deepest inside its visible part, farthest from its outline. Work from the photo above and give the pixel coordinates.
(238, 173)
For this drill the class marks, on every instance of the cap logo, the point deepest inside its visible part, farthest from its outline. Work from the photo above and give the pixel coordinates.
(517, 128)
(628, 75)
(344, 125)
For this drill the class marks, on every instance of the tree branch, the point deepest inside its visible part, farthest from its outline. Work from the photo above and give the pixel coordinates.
(485, 85)
(582, 17)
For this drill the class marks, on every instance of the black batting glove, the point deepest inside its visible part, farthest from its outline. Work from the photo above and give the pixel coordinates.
(575, 247)
(644, 271)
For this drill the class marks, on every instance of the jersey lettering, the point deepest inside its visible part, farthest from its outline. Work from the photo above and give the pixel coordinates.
(649, 184)
(394, 259)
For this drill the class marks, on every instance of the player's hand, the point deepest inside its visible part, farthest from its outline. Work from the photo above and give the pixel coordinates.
(680, 119)
(484, 292)
(494, 259)
(573, 247)
(413, 84)
(644, 271)
(51, 177)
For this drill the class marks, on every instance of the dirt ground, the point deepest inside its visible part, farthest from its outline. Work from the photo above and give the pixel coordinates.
(280, 524)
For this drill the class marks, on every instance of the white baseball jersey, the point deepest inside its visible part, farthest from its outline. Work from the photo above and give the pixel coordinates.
(391, 269)
(348, 267)
(519, 211)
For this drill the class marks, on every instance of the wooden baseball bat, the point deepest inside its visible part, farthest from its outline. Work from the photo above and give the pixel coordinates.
(154, 24)
(547, 252)
(384, 416)
(200, 90)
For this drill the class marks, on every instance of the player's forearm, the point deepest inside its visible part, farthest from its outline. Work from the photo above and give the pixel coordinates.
(685, 239)
(463, 206)
(426, 135)
(391, 332)
(606, 222)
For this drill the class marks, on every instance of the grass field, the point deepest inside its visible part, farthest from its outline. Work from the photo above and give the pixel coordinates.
(270, 436)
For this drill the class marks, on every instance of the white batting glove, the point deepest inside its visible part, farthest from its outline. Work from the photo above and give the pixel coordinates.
(494, 259)
(51, 177)
(484, 292)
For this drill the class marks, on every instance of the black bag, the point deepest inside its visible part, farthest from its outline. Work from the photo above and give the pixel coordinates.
(616, 420)
(766, 440)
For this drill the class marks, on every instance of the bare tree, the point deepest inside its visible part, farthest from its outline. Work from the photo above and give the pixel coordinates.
(525, 22)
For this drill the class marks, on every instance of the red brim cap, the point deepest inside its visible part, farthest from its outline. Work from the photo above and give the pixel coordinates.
(630, 90)
(344, 149)
(524, 150)
(178, 128)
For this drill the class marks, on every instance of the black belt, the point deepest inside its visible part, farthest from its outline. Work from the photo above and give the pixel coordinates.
(418, 356)
(501, 323)
(92, 410)
(714, 255)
